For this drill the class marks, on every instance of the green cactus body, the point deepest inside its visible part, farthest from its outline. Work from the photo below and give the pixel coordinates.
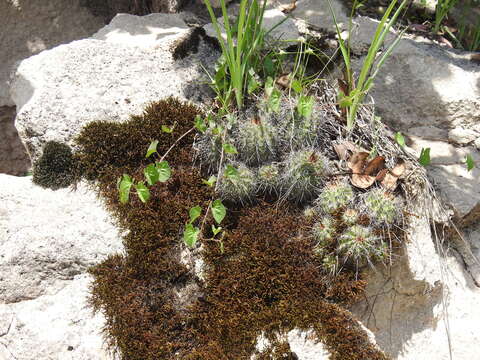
(269, 178)
(334, 197)
(297, 131)
(324, 230)
(360, 245)
(350, 216)
(238, 183)
(330, 263)
(256, 140)
(304, 173)
(381, 206)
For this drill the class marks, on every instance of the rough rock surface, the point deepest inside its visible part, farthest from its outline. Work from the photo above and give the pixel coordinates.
(108, 77)
(13, 157)
(48, 239)
(29, 27)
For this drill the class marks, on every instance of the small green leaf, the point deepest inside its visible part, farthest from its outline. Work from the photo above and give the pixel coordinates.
(230, 149)
(167, 129)
(253, 84)
(218, 211)
(216, 230)
(142, 192)
(200, 124)
(164, 171)
(400, 139)
(230, 171)
(152, 148)
(194, 213)
(274, 100)
(345, 101)
(297, 86)
(124, 187)
(469, 162)
(190, 235)
(211, 180)
(217, 130)
(151, 174)
(269, 86)
(424, 159)
(305, 106)
(269, 66)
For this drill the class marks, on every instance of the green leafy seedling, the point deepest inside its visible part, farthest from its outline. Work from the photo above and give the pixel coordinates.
(296, 85)
(200, 124)
(424, 159)
(305, 106)
(151, 174)
(231, 171)
(469, 162)
(164, 171)
(142, 192)
(168, 129)
(211, 181)
(230, 149)
(124, 186)
(400, 139)
(218, 211)
(190, 235)
(216, 230)
(194, 213)
(152, 149)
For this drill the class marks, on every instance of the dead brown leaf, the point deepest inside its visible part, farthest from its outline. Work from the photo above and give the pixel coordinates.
(389, 182)
(399, 169)
(288, 8)
(362, 181)
(284, 81)
(357, 162)
(374, 166)
(381, 174)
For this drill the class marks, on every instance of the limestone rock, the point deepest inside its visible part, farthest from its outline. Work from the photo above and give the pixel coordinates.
(57, 326)
(48, 237)
(29, 27)
(462, 136)
(60, 90)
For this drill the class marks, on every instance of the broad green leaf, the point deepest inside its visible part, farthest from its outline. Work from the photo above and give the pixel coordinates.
(142, 192)
(269, 66)
(167, 129)
(190, 235)
(194, 213)
(400, 139)
(164, 171)
(216, 230)
(230, 171)
(253, 84)
(211, 180)
(152, 148)
(151, 174)
(269, 86)
(469, 162)
(424, 159)
(274, 100)
(218, 211)
(305, 106)
(124, 188)
(200, 124)
(297, 86)
(230, 149)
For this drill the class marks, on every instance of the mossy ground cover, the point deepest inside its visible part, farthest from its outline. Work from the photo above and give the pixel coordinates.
(268, 280)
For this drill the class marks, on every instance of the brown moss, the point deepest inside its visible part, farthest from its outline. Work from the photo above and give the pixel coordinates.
(266, 281)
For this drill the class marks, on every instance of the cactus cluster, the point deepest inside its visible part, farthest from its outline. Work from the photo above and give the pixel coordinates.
(335, 196)
(297, 131)
(304, 174)
(360, 245)
(269, 178)
(350, 216)
(237, 183)
(255, 140)
(324, 230)
(381, 206)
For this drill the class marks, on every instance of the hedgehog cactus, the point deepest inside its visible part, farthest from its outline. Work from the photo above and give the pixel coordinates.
(304, 173)
(255, 140)
(237, 183)
(334, 197)
(350, 216)
(330, 264)
(360, 245)
(324, 230)
(297, 131)
(269, 178)
(209, 149)
(381, 206)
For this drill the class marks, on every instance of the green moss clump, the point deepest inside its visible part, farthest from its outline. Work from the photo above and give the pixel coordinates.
(55, 169)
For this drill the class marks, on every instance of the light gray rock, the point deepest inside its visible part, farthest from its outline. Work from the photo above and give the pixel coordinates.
(29, 27)
(57, 326)
(462, 136)
(48, 237)
(60, 90)
(422, 84)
